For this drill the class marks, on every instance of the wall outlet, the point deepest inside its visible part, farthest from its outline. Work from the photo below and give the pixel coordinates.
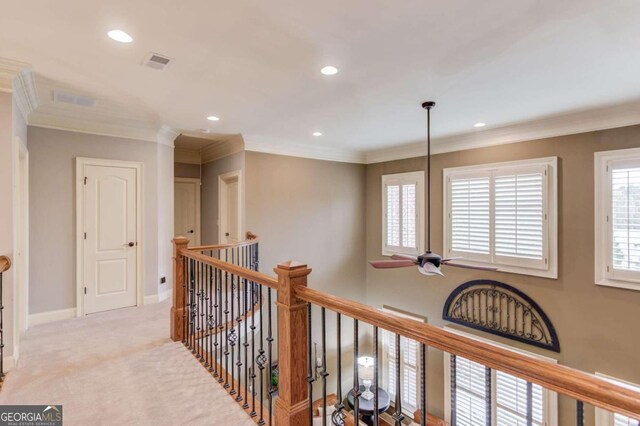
(163, 280)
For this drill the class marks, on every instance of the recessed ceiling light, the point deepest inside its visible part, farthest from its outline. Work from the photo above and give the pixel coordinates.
(213, 118)
(329, 70)
(316, 134)
(120, 36)
(480, 124)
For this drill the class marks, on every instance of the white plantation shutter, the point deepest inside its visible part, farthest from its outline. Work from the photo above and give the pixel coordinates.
(511, 401)
(620, 420)
(470, 215)
(520, 230)
(605, 418)
(403, 211)
(625, 218)
(471, 403)
(408, 369)
(503, 215)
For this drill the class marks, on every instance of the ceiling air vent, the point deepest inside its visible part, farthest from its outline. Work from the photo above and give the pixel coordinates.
(73, 98)
(157, 61)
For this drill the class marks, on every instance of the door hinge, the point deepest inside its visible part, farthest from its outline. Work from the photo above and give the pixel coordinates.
(85, 290)
(85, 180)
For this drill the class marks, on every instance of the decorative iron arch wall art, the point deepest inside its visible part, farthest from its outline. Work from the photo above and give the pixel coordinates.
(500, 309)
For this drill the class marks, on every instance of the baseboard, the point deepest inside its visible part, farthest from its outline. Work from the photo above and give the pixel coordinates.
(156, 298)
(51, 316)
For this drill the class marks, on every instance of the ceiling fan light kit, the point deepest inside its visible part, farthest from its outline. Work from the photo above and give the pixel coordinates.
(428, 263)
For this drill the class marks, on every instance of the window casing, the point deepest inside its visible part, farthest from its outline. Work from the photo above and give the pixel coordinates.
(503, 215)
(409, 366)
(508, 394)
(403, 213)
(617, 218)
(607, 418)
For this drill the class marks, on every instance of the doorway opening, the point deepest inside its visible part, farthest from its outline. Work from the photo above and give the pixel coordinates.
(230, 207)
(187, 209)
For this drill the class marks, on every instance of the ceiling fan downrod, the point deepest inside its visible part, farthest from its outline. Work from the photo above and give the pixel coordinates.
(428, 106)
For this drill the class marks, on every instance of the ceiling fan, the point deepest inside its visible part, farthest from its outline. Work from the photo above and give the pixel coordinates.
(428, 263)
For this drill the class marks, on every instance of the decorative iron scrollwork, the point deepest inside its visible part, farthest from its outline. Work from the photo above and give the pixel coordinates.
(500, 309)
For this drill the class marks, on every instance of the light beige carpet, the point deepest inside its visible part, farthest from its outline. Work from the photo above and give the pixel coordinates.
(118, 368)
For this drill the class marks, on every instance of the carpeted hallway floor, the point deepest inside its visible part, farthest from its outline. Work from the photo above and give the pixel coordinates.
(118, 368)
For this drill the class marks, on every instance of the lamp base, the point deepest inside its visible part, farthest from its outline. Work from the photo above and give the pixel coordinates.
(367, 394)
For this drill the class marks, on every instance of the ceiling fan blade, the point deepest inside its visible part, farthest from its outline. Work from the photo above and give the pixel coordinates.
(430, 269)
(405, 257)
(386, 264)
(450, 259)
(478, 268)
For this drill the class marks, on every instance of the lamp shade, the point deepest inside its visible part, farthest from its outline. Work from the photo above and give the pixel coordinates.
(365, 368)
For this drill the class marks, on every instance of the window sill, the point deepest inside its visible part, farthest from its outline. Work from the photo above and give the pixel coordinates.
(627, 285)
(550, 273)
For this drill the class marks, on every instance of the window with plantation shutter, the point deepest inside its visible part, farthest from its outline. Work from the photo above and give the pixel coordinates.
(606, 418)
(618, 218)
(403, 213)
(409, 366)
(485, 396)
(503, 215)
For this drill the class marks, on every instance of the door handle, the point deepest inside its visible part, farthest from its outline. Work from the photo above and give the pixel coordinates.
(131, 244)
(191, 232)
(226, 234)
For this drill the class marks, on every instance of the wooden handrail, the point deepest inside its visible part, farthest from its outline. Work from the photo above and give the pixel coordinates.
(5, 264)
(251, 239)
(257, 277)
(558, 378)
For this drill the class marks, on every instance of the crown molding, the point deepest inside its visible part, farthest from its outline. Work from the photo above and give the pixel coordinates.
(621, 115)
(9, 69)
(221, 149)
(315, 152)
(167, 136)
(25, 93)
(187, 156)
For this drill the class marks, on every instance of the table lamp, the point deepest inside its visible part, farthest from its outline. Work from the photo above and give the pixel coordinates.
(365, 371)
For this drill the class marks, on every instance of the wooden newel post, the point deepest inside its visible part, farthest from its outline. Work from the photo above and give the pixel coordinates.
(291, 407)
(177, 310)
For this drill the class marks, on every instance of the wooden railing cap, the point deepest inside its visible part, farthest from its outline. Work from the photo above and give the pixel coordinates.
(5, 263)
(181, 240)
(292, 265)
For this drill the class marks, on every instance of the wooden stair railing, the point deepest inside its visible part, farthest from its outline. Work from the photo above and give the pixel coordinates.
(5, 264)
(299, 307)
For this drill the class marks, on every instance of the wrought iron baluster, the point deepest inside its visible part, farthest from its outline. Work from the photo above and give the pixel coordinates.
(232, 331)
(200, 311)
(579, 413)
(226, 324)
(356, 378)
(185, 278)
(1, 333)
(221, 326)
(529, 404)
(310, 364)
(253, 353)
(339, 416)
(207, 318)
(261, 360)
(488, 396)
(397, 415)
(423, 385)
(376, 413)
(237, 334)
(216, 321)
(324, 373)
(246, 346)
(270, 355)
(454, 408)
(192, 284)
(211, 325)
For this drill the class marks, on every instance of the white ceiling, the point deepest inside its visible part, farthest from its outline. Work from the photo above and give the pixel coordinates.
(255, 64)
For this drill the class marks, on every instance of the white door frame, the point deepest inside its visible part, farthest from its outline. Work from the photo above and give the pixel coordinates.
(81, 162)
(20, 242)
(197, 182)
(222, 201)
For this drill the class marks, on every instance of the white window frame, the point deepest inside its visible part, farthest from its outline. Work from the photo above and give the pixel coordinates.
(604, 274)
(604, 417)
(547, 268)
(416, 178)
(408, 411)
(550, 417)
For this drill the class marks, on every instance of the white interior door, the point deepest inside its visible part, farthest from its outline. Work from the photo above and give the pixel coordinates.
(187, 209)
(110, 239)
(230, 208)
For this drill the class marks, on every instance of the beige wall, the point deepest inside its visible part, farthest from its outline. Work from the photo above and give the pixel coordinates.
(187, 170)
(597, 326)
(52, 204)
(209, 196)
